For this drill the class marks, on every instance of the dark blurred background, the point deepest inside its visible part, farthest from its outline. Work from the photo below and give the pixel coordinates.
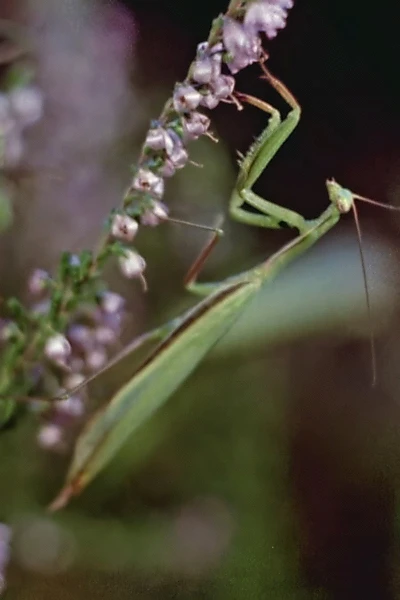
(274, 471)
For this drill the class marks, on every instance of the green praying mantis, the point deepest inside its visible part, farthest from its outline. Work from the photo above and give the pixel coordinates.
(184, 341)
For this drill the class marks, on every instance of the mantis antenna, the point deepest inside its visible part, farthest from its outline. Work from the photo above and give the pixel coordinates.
(364, 270)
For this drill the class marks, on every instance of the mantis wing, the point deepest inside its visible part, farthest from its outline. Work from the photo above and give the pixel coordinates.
(159, 376)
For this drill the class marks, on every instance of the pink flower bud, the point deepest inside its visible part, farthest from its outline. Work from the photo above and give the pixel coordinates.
(57, 348)
(124, 227)
(111, 302)
(209, 101)
(132, 264)
(202, 70)
(155, 215)
(167, 169)
(242, 44)
(50, 436)
(96, 359)
(37, 282)
(106, 336)
(147, 181)
(26, 104)
(80, 337)
(8, 329)
(158, 139)
(268, 16)
(158, 189)
(72, 406)
(186, 98)
(223, 86)
(179, 157)
(195, 125)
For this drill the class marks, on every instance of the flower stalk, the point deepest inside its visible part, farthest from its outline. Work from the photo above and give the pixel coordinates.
(74, 319)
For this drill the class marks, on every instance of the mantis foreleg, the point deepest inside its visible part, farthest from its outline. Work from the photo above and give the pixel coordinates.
(260, 154)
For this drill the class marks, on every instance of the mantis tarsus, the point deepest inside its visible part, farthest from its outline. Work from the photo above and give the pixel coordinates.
(188, 338)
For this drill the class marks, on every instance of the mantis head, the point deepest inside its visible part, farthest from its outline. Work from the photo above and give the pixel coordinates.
(340, 197)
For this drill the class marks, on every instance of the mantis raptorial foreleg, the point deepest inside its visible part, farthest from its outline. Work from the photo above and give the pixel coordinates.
(257, 159)
(251, 167)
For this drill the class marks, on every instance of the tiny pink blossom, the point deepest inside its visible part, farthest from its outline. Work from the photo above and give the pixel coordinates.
(243, 45)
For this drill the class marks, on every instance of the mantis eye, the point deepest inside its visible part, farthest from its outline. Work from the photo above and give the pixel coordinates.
(341, 197)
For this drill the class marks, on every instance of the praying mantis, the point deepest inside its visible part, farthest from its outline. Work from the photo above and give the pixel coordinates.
(184, 341)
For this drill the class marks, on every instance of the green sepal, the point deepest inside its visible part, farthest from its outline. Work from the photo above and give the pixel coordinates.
(17, 312)
(118, 249)
(86, 261)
